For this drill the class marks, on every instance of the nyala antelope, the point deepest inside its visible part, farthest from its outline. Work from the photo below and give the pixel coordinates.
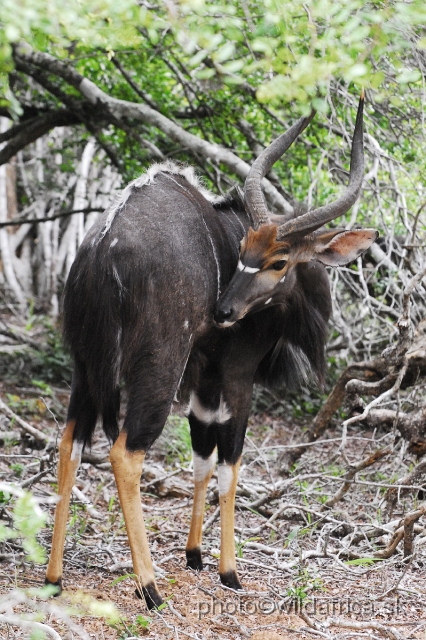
(181, 294)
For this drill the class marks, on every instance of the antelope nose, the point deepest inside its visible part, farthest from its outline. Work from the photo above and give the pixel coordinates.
(222, 315)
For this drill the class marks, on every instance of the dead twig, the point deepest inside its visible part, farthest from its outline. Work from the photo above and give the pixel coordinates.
(386, 632)
(367, 462)
(25, 426)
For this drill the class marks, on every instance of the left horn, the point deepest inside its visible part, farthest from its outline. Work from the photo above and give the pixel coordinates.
(313, 220)
(253, 195)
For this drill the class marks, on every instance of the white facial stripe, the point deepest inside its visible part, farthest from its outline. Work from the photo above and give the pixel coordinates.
(209, 416)
(224, 476)
(77, 448)
(203, 467)
(268, 301)
(243, 267)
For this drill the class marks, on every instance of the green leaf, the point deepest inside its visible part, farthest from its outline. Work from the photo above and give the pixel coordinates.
(125, 577)
(408, 75)
(205, 74)
(363, 561)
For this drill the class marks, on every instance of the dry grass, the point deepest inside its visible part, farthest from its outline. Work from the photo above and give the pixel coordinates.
(293, 550)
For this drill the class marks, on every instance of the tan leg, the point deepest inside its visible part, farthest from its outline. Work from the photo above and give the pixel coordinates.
(203, 469)
(69, 460)
(228, 477)
(127, 467)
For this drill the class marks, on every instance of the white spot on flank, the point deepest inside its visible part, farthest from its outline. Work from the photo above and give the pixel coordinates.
(113, 243)
(222, 414)
(203, 467)
(209, 416)
(77, 448)
(225, 476)
(268, 301)
(243, 267)
(186, 324)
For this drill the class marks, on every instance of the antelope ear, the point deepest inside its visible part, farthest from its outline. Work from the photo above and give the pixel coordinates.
(337, 248)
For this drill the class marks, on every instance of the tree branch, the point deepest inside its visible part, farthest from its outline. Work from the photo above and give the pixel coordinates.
(143, 113)
(23, 134)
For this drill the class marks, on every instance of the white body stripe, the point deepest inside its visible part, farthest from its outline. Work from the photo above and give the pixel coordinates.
(113, 243)
(224, 476)
(208, 416)
(203, 467)
(243, 267)
(268, 301)
(282, 279)
(77, 448)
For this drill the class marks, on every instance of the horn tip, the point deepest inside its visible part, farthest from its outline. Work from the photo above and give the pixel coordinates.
(362, 96)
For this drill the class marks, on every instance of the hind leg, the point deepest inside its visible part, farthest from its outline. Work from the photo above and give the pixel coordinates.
(150, 398)
(81, 421)
(127, 467)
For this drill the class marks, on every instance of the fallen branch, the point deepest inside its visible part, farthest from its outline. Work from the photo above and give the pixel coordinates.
(367, 462)
(409, 521)
(395, 493)
(386, 632)
(29, 624)
(85, 500)
(25, 426)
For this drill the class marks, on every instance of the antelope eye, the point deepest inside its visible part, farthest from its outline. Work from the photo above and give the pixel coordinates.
(280, 264)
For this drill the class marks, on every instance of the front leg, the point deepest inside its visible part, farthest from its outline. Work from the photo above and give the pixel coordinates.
(203, 437)
(227, 480)
(230, 440)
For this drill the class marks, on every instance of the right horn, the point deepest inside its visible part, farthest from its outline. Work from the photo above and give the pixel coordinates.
(313, 220)
(253, 195)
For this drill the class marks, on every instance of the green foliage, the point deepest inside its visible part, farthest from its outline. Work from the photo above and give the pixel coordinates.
(28, 519)
(240, 544)
(176, 439)
(104, 23)
(303, 584)
(128, 629)
(22, 406)
(305, 44)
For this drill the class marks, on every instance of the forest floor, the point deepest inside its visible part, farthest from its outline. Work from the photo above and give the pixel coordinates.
(308, 570)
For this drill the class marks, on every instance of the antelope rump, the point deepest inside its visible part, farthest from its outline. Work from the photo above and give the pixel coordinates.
(184, 295)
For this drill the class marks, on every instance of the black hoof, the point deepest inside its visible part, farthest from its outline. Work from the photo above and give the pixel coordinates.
(193, 559)
(230, 579)
(57, 584)
(151, 595)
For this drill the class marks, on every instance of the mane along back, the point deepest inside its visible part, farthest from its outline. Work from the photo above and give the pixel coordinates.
(299, 353)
